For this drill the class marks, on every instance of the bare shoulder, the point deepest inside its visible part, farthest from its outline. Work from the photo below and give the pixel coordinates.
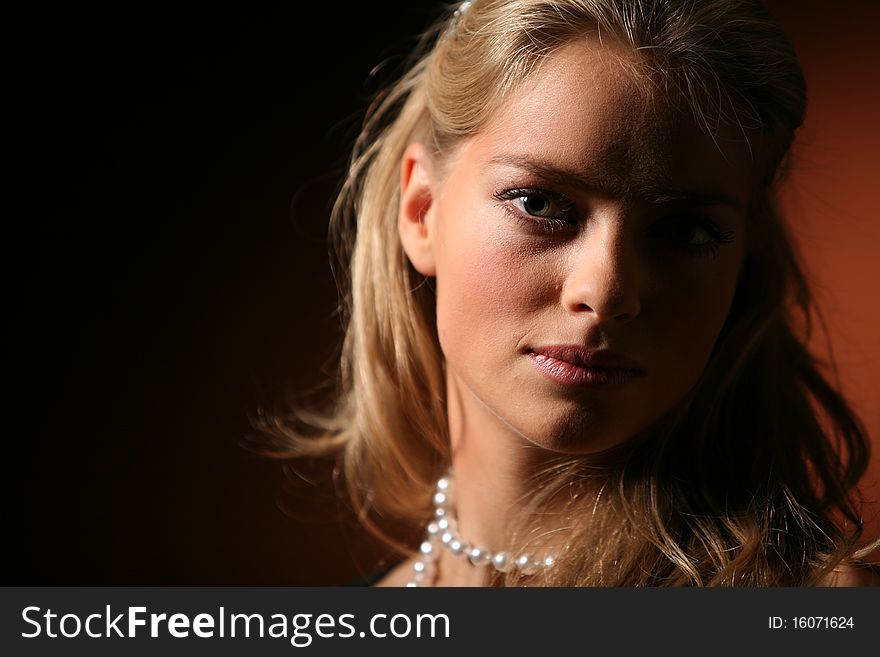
(853, 574)
(399, 575)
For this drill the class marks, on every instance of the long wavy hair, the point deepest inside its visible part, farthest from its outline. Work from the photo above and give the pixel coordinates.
(751, 479)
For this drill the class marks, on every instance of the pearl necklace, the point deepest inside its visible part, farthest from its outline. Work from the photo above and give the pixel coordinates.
(442, 532)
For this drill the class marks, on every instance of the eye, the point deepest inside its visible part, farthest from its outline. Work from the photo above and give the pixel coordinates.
(538, 209)
(696, 234)
(536, 205)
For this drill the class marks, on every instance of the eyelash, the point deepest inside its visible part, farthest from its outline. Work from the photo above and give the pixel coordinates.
(552, 224)
(716, 235)
(565, 221)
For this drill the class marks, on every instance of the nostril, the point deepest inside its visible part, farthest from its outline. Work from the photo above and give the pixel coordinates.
(620, 310)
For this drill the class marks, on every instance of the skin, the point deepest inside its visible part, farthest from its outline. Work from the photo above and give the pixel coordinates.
(640, 194)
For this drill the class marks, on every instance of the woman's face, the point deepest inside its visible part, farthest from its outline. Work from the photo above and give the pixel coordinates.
(586, 213)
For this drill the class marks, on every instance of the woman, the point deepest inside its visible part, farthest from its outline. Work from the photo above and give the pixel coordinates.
(570, 287)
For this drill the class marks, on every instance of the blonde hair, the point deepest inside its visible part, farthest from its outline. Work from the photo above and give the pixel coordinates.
(750, 480)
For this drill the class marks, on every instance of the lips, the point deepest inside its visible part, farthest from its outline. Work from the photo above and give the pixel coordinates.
(573, 365)
(595, 358)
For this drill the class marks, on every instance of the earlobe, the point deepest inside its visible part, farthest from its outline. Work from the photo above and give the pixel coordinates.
(415, 221)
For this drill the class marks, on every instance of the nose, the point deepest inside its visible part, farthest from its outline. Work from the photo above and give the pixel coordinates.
(602, 274)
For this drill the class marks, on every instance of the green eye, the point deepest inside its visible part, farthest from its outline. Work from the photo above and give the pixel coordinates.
(695, 234)
(538, 209)
(536, 205)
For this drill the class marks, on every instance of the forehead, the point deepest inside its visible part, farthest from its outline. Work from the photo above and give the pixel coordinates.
(587, 109)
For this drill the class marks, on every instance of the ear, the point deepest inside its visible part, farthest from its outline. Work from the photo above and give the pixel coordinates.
(415, 220)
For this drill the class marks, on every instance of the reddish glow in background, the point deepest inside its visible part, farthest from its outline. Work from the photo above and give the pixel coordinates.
(832, 197)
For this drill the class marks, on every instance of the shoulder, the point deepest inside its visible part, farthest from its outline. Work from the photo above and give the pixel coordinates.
(853, 574)
(399, 575)
(373, 578)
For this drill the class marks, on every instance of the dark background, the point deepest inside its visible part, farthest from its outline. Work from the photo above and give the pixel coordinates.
(170, 273)
(167, 272)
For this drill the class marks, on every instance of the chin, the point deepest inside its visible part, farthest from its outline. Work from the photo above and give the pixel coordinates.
(579, 437)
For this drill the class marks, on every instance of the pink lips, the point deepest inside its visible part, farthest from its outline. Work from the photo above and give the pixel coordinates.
(574, 365)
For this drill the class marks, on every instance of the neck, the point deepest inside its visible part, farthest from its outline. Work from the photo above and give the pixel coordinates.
(494, 470)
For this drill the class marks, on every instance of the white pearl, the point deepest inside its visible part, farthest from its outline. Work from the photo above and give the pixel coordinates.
(445, 528)
(427, 549)
(501, 561)
(479, 556)
(526, 564)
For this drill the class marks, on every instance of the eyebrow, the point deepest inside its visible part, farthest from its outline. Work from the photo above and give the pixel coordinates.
(614, 187)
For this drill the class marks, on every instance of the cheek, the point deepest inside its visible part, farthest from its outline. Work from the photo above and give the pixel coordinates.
(484, 288)
(689, 317)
